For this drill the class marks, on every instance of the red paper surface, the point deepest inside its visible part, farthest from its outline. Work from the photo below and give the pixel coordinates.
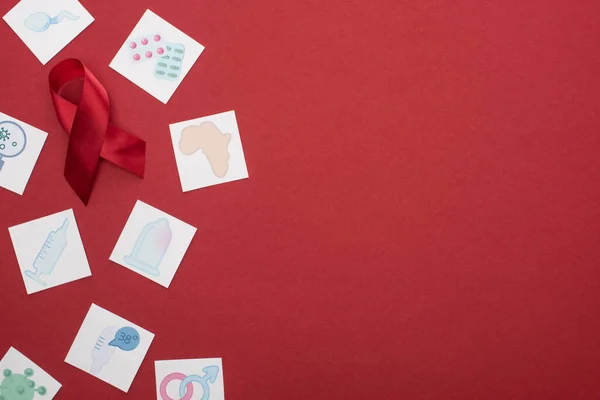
(421, 219)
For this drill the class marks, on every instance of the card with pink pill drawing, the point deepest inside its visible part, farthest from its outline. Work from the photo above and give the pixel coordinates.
(156, 56)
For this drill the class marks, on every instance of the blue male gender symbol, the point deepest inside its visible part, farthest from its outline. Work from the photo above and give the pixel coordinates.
(210, 374)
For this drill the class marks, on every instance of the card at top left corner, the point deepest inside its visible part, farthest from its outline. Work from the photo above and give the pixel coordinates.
(20, 147)
(49, 251)
(23, 379)
(46, 27)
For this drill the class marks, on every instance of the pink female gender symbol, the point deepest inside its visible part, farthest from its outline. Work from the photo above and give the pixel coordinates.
(172, 377)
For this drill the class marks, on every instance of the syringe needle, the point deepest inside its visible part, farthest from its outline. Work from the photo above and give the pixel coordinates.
(64, 225)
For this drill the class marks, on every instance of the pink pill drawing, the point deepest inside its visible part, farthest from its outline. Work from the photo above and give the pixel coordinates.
(144, 41)
(136, 57)
(148, 54)
(156, 38)
(160, 50)
(133, 45)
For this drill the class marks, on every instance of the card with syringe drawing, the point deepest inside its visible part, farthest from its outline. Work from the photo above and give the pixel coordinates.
(49, 251)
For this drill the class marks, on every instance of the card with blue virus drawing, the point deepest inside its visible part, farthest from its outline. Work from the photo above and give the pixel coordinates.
(20, 147)
(109, 347)
(22, 379)
(46, 27)
(49, 251)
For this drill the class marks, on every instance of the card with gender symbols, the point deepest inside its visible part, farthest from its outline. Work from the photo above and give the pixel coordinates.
(48, 26)
(20, 147)
(153, 243)
(23, 379)
(156, 56)
(49, 251)
(109, 347)
(208, 151)
(190, 379)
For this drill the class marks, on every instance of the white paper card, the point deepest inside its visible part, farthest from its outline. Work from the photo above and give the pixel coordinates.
(156, 56)
(109, 347)
(190, 379)
(153, 243)
(208, 151)
(20, 147)
(18, 373)
(49, 251)
(48, 26)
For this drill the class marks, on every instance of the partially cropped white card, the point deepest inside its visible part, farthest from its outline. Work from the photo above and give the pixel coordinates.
(20, 147)
(49, 251)
(47, 26)
(190, 379)
(22, 379)
(208, 151)
(156, 56)
(109, 347)
(153, 243)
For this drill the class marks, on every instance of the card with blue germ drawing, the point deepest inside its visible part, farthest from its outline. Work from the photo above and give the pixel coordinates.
(23, 379)
(200, 378)
(49, 251)
(208, 151)
(156, 56)
(109, 347)
(153, 243)
(20, 147)
(47, 26)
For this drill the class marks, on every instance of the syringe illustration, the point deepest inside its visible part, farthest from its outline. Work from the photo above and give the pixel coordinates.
(50, 253)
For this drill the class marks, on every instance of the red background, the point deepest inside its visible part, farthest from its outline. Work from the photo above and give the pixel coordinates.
(421, 219)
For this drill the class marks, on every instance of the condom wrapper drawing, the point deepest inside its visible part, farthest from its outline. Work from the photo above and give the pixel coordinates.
(92, 136)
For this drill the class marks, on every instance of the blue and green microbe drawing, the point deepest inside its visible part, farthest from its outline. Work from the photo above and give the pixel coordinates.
(4, 134)
(19, 387)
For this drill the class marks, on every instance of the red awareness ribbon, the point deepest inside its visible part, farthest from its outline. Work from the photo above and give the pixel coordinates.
(92, 136)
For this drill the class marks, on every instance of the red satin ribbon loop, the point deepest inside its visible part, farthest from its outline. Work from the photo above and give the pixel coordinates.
(92, 136)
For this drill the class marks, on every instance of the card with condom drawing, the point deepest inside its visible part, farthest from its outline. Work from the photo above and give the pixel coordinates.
(153, 243)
